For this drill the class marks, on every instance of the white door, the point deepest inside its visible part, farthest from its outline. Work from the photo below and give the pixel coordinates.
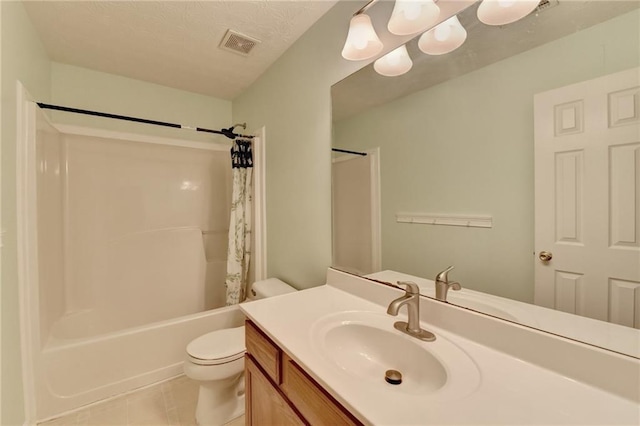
(356, 213)
(587, 198)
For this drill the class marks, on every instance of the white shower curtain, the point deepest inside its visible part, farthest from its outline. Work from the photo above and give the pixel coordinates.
(239, 251)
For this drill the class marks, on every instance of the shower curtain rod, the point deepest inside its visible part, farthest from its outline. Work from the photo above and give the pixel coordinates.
(226, 132)
(349, 152)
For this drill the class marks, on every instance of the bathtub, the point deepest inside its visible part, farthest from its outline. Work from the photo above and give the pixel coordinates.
(80, 371)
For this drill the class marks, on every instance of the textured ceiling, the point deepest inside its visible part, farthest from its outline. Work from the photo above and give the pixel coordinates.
(173, 43)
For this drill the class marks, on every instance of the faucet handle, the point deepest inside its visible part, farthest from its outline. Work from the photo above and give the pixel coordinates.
(443, 276)
(412, 288)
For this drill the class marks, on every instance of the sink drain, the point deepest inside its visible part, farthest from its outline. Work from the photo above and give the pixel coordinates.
(393, 377)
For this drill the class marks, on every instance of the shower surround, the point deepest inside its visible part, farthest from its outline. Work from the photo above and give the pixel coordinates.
(131, 247)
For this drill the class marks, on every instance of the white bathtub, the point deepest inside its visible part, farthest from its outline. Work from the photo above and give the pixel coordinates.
(77, 372)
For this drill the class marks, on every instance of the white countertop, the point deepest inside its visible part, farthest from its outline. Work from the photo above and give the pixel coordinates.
(510, 391)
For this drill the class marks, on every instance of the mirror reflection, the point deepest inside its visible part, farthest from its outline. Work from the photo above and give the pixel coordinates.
(449, 176)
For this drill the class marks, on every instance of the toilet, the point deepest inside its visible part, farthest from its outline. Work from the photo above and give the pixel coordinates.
(216, 360)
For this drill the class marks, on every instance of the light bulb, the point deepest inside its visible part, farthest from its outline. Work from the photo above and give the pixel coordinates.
(394, 58)
(394, 63)
(411, 10)
(362, 41)
(442, 32)
(359, 38)
(444, 38)
(413, 16)
(502, 12)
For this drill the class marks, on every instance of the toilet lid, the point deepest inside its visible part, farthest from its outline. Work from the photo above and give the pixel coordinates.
(217, 347)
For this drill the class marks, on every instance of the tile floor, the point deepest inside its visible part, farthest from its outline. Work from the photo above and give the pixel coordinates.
(169, 403)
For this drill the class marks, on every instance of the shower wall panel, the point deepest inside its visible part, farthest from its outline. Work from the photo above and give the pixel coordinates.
(145, 229)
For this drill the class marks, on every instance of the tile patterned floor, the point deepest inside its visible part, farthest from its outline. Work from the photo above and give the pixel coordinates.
(171, 403)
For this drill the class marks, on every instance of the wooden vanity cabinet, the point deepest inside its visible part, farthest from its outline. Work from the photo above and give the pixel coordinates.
(279, 392)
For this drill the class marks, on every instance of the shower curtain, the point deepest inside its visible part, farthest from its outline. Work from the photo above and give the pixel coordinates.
(239, 251)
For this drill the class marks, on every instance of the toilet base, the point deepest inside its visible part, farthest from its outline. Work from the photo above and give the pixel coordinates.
(220, 403)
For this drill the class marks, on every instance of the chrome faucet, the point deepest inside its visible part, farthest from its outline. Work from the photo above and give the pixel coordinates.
(443, 285)
(411, 298)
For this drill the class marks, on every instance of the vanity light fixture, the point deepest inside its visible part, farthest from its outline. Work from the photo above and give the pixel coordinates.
(394, 63)
(362, 41)
(502, 12)
(444, 38)
(413, 16)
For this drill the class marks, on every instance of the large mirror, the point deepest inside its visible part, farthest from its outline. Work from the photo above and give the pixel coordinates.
(449, 176)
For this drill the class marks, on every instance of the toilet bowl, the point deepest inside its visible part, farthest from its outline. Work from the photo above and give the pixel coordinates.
(216, 360)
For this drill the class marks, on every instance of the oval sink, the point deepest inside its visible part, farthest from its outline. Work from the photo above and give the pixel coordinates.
(368, 352)
(365, 345)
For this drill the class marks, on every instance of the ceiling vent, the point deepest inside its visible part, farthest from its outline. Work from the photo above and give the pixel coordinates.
(238, 43)
(546, 4)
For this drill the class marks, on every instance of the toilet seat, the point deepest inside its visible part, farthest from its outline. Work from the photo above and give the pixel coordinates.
(217, 347)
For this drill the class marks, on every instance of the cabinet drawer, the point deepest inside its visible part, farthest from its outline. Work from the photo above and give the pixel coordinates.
(263, 350)
(315, 405)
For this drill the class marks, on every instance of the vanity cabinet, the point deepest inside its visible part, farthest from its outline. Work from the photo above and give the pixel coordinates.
(279, 392)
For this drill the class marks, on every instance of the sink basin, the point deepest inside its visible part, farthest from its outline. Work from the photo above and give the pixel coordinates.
(368, 352)
(365, 345)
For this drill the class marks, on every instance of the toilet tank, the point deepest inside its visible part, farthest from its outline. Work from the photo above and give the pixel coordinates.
(268, 288)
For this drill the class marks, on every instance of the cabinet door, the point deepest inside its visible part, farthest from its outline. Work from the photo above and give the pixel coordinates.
(311, 401)
(265, 405)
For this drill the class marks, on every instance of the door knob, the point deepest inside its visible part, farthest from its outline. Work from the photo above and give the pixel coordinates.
(545, 256)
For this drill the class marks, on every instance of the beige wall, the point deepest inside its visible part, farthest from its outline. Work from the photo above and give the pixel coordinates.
(292, 100)
(466, 146)
(87, 89)
(23, 58)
